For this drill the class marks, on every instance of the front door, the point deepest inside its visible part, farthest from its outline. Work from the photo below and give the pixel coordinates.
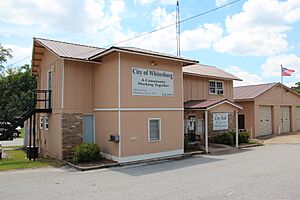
(192, 127)
(241, 121)
(88, 129)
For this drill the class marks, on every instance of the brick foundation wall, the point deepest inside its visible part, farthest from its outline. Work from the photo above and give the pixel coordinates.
(72, 133)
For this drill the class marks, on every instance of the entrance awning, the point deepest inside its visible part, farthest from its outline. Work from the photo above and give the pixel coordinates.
(208, 104)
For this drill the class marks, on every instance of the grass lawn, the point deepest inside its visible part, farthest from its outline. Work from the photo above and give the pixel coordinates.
(22, 133)
(17, 160)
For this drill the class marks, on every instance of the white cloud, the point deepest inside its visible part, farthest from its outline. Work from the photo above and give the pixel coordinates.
(271, 68)
(247, 77)
(21, 55)
(221, 2)
(66, 16)
(260, 29)
(201, 37)
(145, 2)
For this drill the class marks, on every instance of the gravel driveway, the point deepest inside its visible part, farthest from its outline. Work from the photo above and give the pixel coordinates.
(284, 139)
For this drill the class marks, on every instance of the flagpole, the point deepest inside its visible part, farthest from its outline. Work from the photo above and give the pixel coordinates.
(281, 121)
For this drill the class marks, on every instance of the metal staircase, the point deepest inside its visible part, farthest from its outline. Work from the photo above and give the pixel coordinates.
(39, 102)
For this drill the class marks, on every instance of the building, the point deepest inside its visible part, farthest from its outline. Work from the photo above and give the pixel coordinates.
(208, 102)
(127, 100)
(131, 102)
(268, 108)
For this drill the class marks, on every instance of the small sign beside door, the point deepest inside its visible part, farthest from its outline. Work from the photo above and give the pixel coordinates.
(220, 121)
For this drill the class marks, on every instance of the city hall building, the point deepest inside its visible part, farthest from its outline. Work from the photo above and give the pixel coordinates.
(134, 103)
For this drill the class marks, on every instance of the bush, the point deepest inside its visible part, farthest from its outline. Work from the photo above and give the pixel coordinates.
(225, 138)
(86, 153)
(243, 137)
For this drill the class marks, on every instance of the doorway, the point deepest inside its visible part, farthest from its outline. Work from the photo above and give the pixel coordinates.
(88, 129)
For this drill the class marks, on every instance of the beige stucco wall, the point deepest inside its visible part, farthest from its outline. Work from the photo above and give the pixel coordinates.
(249, 113)
(135, 132)
(197, 88)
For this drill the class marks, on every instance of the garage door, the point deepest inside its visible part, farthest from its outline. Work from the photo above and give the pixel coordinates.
(286, 127)
(265, 120)
(298, 118)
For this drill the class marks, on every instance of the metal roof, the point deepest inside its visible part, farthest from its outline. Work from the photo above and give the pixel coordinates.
(208, 71)
(69, 50)
(208, 104)
(251, 92)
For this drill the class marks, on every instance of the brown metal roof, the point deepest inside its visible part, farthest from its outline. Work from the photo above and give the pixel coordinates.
(208, 71)
(251, 92)
(207, 104)
(145, 52)
(69, 50)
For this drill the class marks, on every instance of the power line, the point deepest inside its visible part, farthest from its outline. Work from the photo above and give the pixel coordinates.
(18, 61)
(184, 20)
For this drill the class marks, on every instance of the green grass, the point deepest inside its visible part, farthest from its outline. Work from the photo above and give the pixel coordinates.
(17, 160)
(22, 133)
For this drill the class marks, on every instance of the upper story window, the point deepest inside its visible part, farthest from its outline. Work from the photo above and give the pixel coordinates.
(216, 87)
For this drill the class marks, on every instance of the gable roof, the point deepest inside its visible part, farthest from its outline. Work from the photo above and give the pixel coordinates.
(69, 50)
(208, 104)
(208, 71)
(144, 52)
(251, 92)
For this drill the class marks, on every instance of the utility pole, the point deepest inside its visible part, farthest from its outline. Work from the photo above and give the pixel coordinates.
(178, 28)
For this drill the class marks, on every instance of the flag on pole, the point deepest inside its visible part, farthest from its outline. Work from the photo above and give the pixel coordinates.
(286, 71)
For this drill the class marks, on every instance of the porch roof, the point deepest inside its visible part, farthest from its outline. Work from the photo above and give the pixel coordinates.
(208, 104)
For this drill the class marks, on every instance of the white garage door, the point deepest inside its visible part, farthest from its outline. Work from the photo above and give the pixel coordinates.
(298, 118)
(286, 127)
(265, 120)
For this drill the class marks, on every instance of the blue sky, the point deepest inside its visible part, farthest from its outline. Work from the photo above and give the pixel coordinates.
(250, 38)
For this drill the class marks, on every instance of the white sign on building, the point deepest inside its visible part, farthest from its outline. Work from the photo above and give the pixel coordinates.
(220, 121)
(151, 82)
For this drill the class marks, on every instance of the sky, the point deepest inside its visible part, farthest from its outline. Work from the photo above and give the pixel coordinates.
(249, 38)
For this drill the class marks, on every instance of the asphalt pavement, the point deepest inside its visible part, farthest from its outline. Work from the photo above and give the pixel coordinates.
(266, 172)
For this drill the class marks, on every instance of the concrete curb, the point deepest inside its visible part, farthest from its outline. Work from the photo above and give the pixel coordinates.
(249, 145)
(149, 161)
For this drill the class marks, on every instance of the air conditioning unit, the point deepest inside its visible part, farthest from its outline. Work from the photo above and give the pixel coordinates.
(114, 138)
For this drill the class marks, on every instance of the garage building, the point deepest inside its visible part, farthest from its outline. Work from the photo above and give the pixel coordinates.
(269, 108)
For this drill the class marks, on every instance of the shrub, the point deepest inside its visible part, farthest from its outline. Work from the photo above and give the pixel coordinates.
(86, 153)
(243, 137)
(225, 138)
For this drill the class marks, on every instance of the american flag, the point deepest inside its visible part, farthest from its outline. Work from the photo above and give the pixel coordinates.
(286, 71)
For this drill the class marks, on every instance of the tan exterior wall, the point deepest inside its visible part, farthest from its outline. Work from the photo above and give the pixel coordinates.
(271, 98)
(106, 82)
(50, 141)
(249, 113)
(106, 124)
(53, 63)
(135, 132)
(79, 82)
(197, 88)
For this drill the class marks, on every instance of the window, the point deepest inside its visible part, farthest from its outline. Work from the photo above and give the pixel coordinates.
(153, 130)
(46, 123)
(216, 87)
(41, 123)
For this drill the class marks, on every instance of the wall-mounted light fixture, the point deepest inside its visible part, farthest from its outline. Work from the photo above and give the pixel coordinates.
(153, 63)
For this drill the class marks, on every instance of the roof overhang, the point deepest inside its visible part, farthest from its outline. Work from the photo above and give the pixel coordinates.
(214, 77)
(216, 104)
(161, 56)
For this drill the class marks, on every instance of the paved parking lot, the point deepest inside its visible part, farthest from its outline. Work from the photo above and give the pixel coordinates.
(266, 172)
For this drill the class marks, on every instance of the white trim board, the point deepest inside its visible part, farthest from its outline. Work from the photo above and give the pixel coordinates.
(164, 154)
(139, 109)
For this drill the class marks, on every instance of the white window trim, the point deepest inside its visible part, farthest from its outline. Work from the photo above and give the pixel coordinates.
(149, 119)
(41, 122)
(46, 122)
(216, 93)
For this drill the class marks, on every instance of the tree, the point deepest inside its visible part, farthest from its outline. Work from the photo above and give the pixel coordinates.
(4, 55)
(297, 87)
(15, 88)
